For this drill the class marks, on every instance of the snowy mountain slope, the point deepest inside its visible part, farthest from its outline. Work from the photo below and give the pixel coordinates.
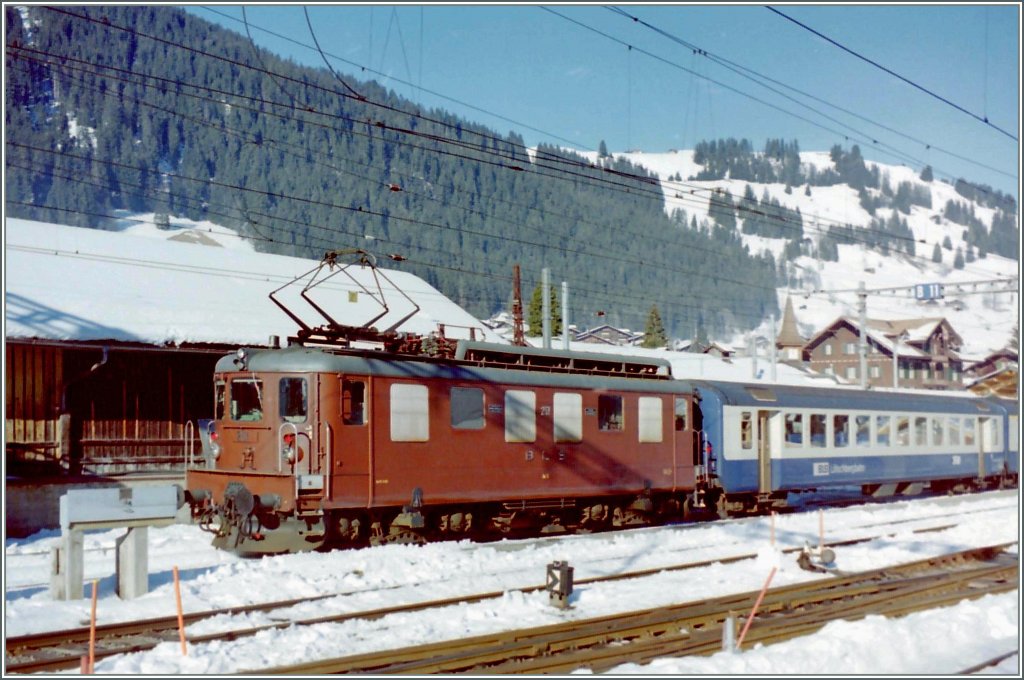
(985, 320)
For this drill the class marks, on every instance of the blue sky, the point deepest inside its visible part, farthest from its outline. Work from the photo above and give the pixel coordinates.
(580, 74)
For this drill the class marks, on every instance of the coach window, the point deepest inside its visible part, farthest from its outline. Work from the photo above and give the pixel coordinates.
(863, 424)
(568, 417)
(969, 431)
(410, 413)
(938, 423)
(649, 419)
(818, 429)
(681, 408)
(353, 402)
(246, 399)
(920, 431)
(520, 416)
(609, 412)
(218, 399)
(746, 430)
(292, 399)
(467, 408)
(902, 431)
(954, 431)
(794, 430)
(841, 430)
(883, 430)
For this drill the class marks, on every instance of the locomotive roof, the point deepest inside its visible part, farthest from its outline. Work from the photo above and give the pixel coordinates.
(299, 359)
(797, 396)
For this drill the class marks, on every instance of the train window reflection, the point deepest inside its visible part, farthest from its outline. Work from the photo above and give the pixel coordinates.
(920, 431)
(746, 430)
(864, 430)
(292, 401)
(794, 430)
(937, 428)
(246, 399)
(467, 408)
(568, 417)
(903, 431)
(969, 431)
(841, 430)
(954, 431)
(609, 412)
(882, 430)
(818, 429)
(353, 402)
(219, 389)
(649, 419)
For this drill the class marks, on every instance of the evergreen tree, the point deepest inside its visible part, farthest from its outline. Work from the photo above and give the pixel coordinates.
(937, 254)
(602, 150)
(947, 243)
(535, 313)
(958, 259)
(654, 331)
(926, 174)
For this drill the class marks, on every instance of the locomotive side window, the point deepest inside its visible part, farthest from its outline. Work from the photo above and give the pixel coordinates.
(353, 402)
(649, 419)
(410, 415)
(246, 399)
(219, 389)
(818, 421)
(746, 430)
(883, 432)
(467, 405)
(681, 408)
(520, 416)
(969, 431)
(568, 414)
(902, 431)
(920, 431)
(609, 412)
(863, 424)
(293, 400)
(841, 431)
(954, 431)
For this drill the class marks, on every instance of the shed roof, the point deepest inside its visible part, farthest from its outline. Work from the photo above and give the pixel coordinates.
(72, 283)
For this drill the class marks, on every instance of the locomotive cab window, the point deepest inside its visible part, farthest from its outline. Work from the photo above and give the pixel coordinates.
(246, 399)
(609, 412)
(219, 390)
(467, 404)
(681, 408)
(353, 402)
(293, 399)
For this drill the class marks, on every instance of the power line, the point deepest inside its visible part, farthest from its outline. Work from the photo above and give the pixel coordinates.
(983, 119)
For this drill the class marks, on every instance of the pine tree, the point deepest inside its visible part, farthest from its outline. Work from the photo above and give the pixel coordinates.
(958, 259)
(947, 243)
(535, 313)
(926, 174)
(654, 331)
(937, 254)
(602, 150)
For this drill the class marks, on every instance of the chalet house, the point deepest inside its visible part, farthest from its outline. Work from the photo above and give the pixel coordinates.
(922, 353)
(997, 374)
(609, 335)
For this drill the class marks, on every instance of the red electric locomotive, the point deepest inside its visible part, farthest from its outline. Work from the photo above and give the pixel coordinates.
(316, 446)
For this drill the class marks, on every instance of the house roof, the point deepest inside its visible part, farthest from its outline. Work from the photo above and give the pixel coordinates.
(72, 283)
(875, 335)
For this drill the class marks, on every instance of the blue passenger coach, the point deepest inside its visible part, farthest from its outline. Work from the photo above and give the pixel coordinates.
(765, 441)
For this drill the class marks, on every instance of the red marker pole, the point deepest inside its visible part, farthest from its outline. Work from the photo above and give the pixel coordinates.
(181, 615)
(753, 611)
(92, 628)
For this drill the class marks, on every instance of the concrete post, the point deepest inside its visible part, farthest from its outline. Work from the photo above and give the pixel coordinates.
(565, 315)
(862, 296)
(71, 566)
(545, 295)
(133, 563)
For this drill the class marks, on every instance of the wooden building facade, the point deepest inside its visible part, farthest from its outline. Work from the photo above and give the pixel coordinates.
(104, 408)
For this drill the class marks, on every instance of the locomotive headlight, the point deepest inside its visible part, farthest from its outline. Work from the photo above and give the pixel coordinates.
(241, 358)
(214, 445)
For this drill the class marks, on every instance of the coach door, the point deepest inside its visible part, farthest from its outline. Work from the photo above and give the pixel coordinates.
(762, 441)
(687, 455)
(349, 425)
(989, 441)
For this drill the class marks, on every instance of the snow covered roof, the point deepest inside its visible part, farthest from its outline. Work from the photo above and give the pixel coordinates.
(71, 283)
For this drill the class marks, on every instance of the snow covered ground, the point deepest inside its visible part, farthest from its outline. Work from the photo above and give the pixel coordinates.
(932, 643)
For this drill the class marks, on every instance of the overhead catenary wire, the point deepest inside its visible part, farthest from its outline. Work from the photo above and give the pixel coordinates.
(982, 119)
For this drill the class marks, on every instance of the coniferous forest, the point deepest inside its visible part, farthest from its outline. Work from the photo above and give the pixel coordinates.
(118, 110)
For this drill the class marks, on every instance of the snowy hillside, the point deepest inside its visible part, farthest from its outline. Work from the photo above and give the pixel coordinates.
(984, 319)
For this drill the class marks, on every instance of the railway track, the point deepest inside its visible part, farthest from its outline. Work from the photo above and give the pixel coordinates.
(60, 650)
(603, 643)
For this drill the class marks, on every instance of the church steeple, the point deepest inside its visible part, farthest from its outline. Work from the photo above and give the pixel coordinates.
(789, 340)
